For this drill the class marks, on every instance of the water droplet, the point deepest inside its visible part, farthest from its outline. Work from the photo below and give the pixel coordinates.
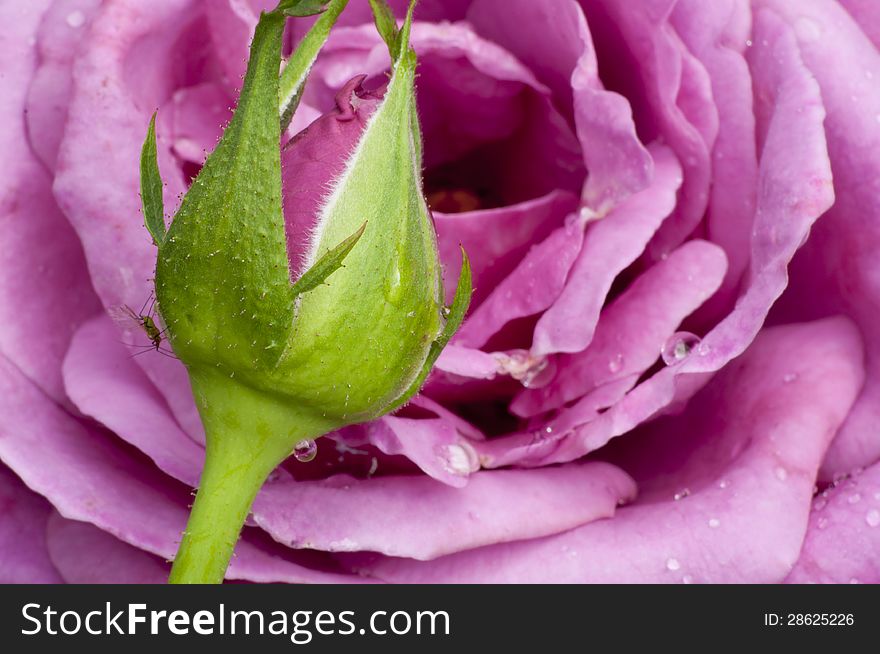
(687, 579)
(458, 458)
(821, 523)
(781, 473)
(749, 43)
(672, 564)
(855, 498)
(680, 495)
(714, 523)
(393, 287)
(723, 483)
(305, 451)
(872, 517)
(678, 347)
(76, 19)
(790, 377)
(616, 363)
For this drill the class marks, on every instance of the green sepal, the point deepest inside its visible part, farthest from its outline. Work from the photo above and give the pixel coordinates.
(152, 204)
(327, 264)
(301, 8)
(293, 79)
(386, 24)
(222, 276)
(457, 311)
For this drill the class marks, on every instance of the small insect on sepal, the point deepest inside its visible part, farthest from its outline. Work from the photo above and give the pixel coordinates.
(147, 321)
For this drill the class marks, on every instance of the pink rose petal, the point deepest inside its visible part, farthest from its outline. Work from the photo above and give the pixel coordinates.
(837, 271)
(748, 448)
(64, 26)
(671, 95)
(496, 240)
(610, 245)
(343, 514)
(717, 33)
(633, 329)
(24, 558)
(86, 555)
(44, 288)
(843, 540)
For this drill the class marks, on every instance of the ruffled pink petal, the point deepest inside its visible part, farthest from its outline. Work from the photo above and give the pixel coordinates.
(436, 445)
(610, 245)
(838, 271)
(717, 34)
(460, 361)
(748, 448)
(342, 514)
(86, 555)
(794, 190)
(553, 40)
(671, 95)
(865, 13)
(843, 539)
(90, 477)
(633, 329)
(532, 287)
(24, 557)
(64, 26)
(105, 383)
(97, 175)
(44, 285)
(496, 240)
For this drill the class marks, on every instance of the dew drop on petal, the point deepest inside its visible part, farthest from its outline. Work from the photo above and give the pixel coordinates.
(872, 518)
(820, 504)
(723, 483)
(678, 347)
(305, 451)
(855, 498)
(714, 523)
(680, 495)
(781, 473)
(672, 564)
(687, 579)
(821, 523)
(616, 363)
(76, 19)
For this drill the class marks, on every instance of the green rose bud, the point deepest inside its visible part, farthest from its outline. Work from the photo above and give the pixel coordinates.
(278, 358)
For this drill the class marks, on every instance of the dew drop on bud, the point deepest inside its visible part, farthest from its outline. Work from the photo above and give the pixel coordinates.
(678, 347)
(305, 451)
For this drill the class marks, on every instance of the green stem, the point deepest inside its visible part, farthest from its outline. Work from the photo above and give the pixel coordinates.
(248, 434)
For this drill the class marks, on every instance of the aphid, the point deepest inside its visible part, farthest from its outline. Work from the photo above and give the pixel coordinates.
(127, 317)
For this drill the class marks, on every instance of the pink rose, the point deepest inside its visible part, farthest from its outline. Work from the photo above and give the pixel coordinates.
(624, 176)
